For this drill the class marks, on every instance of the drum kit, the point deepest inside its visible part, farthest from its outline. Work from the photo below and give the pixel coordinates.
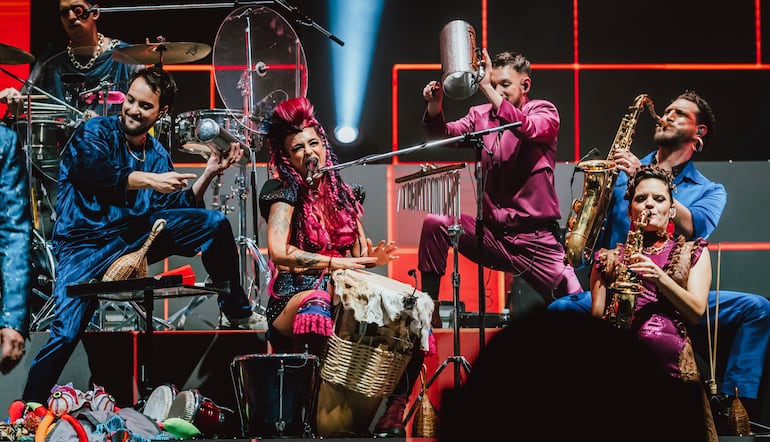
(258, 62)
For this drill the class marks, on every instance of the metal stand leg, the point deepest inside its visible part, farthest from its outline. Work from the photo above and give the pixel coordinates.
(457, 359)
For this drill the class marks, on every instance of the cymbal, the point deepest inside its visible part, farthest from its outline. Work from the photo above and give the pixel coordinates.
(163, 53)
(12, 55)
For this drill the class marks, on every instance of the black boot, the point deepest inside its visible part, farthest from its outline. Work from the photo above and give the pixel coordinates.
(391, 423)
(431, 283)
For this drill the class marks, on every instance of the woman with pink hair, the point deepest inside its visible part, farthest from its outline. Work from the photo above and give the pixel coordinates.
(313, 228)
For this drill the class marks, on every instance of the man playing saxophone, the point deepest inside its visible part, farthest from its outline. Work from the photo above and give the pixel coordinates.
(674, 276)
(685, 127)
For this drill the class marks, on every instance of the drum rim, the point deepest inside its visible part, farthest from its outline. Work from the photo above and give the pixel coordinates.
(197, 112)
(275, 356)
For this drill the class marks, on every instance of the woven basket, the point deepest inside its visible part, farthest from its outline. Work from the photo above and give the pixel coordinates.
(367, 370)
(425, 419)
(738, 422)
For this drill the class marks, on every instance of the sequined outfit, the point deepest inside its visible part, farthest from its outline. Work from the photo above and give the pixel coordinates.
(287, 284)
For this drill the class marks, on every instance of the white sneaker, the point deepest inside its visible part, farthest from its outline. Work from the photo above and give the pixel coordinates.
(253, 322)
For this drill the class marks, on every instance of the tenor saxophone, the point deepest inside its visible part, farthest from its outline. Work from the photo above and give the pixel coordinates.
(623, 292)
(599, 179)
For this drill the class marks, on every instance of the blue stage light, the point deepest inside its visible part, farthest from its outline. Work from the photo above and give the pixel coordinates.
(357, 22)
(346, 134)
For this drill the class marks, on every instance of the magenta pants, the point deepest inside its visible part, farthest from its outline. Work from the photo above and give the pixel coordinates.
(535, 256)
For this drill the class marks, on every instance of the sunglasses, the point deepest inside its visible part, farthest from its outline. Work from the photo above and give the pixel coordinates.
(80, 12)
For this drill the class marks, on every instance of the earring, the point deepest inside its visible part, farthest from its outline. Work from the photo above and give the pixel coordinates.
(698, 146)
(670, 228)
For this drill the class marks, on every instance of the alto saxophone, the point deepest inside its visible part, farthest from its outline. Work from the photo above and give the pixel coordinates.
(622, 293)
(598, 183)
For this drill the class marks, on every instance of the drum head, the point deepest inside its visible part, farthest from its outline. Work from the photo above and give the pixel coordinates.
(258, 62)
(185, 405)
(159, 402)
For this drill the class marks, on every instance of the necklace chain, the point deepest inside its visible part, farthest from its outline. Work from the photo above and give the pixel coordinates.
(136, 157)
(91, 62)
(655, 250)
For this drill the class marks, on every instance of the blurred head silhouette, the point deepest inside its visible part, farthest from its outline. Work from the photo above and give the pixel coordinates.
(552, 374)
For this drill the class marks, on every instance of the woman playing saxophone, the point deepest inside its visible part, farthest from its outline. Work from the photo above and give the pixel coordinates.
(675, 276)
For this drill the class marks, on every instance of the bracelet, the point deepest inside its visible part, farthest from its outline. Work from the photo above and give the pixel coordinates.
(329, 268)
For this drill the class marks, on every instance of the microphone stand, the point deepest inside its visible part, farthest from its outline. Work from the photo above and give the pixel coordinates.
(259, 284)
(454, 232)
(376, 157)
(479, 147)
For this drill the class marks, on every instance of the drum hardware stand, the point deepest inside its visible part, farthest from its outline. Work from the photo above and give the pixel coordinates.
(178, 319)
(457, 359)
(300, 18)
(45, 313)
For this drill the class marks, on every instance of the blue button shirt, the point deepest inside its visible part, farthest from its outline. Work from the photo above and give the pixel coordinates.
(703, 197)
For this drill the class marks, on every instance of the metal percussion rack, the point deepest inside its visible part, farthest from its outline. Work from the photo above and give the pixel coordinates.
(437, 190)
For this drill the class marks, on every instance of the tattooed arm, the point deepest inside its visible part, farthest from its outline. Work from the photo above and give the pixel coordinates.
(288, 257)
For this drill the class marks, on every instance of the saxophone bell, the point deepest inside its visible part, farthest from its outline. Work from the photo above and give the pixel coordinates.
(590, 211)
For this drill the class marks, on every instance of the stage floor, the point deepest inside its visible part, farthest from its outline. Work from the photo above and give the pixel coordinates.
(202, 360)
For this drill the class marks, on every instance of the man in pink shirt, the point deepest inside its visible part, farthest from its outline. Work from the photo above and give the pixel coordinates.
(520, 206)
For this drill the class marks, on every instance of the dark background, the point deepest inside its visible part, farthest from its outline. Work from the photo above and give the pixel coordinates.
(647, 35)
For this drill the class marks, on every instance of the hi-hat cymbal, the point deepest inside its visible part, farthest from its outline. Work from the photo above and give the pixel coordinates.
(12, 55)
(163, 53)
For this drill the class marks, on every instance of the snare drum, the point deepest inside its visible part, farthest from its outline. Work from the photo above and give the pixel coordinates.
(232, 121)
(198, 410)
(275, 393)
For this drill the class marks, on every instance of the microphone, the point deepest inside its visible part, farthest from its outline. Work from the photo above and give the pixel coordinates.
(103, 85)
(312, 167)
(413, 274)
(212, 135)
(591, 153)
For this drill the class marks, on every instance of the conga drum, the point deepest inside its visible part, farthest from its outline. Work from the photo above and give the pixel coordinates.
(275, 393)
(379, 322)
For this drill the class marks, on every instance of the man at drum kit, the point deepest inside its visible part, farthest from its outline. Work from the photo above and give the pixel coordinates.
(685, 127)
(116, 180)
(77, 72)
(313, 228)
(520, 205)
(15, 227)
